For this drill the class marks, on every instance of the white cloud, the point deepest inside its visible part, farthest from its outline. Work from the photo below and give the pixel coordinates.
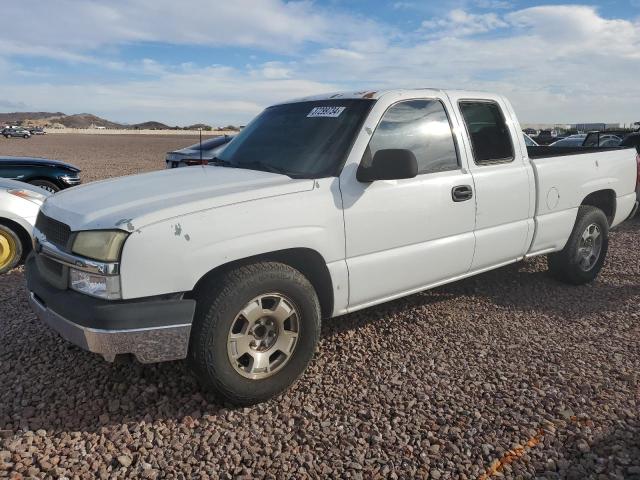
(215, 95)
(80, 30)
(462, 23)
(70, 26)
(404, 5)
(274, 71)
(579, 30)
(557, 63)
(493, 4)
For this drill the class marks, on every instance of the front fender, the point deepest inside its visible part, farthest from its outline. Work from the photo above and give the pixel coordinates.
(172, 255)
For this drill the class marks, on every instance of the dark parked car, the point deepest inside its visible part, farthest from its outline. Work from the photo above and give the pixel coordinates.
(198, 154)
(52, 175)
(37, 131)
(16, 132)
(590, 140)
(545, 137)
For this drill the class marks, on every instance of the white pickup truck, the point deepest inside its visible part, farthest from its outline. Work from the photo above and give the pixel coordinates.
(319, 207)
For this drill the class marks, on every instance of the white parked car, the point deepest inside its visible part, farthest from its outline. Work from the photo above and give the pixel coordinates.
(571, 141)
(19, 206)
(319, 207)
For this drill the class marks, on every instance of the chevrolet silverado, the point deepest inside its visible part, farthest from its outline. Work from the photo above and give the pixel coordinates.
(319, 207)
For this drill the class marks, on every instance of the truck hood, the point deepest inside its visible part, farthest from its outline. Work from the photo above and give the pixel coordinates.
(132, 202)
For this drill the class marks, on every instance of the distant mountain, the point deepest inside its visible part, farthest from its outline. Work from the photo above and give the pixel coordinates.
(84, 120)
(149, 126)
(78, 120)
(42, 119)
(14, 117)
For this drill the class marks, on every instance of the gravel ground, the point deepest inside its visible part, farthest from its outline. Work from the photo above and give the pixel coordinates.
(100, 156)
(506, 374)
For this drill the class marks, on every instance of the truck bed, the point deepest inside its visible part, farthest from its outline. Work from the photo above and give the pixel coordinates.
(563, 184)
(545, 151)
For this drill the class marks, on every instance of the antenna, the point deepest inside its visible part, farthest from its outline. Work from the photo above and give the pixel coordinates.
(200, 129)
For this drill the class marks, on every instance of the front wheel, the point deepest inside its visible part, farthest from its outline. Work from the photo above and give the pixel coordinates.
(46, 185)
(10, 249)
(581, 259)
(255, 331)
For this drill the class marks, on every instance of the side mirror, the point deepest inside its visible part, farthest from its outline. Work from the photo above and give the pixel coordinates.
(390, 164)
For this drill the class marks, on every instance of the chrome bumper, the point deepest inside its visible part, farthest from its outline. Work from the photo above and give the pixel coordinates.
(148, 345)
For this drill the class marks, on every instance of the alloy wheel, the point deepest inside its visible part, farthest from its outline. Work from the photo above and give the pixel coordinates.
(589, 247)
(263, 336)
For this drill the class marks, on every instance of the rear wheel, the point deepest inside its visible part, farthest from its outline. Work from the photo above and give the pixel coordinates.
(45, 185)
(10, 249)
(255, 331)
(584, 254)
(26, 136)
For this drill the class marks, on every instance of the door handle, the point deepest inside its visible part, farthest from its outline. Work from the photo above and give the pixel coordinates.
(461, 193)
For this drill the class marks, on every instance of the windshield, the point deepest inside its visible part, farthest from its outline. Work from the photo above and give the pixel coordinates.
(305, 139)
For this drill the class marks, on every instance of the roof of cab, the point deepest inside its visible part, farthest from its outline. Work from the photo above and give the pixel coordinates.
(361, 94)
(376, 94)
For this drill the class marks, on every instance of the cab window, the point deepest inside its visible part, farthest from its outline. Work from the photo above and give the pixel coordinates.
(490, 137)
(421, 126)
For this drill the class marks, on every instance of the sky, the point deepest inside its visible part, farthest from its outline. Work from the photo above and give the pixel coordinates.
(222, 62)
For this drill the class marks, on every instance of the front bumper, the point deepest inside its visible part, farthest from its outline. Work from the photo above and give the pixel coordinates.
(153, 330)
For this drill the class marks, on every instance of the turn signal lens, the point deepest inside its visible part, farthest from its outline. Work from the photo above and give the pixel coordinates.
(30, 195)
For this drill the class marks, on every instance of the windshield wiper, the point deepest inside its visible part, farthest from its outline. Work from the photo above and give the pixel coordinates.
(258, 165)
(218, 162)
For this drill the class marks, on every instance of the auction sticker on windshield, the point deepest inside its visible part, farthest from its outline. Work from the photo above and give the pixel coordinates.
(331, 112)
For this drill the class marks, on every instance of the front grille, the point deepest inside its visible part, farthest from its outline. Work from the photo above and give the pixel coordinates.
(56, 232)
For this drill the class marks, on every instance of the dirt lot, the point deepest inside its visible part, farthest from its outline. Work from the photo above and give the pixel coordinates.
(506, 374)
(100, 156)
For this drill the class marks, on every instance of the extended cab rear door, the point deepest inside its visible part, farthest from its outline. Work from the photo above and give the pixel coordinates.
(405, 235)
(503, 177)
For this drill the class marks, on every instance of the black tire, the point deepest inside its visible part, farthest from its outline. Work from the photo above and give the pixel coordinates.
(220, 301)
(26, 136)
(565, 265)
(45, 185)
(11, 246)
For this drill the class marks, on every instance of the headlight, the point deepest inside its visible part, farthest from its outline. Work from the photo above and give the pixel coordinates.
(103, 245)
(70, 179)
(101, 286)
(30, 195)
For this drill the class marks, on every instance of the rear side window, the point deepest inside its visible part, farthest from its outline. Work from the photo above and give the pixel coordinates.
(421, 126)
(490, 137)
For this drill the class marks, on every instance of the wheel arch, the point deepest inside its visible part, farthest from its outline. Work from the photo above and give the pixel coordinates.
(49, 179)
(306, 260)
(605, 200)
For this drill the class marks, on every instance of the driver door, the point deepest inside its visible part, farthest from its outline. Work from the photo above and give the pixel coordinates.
(405, 235)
